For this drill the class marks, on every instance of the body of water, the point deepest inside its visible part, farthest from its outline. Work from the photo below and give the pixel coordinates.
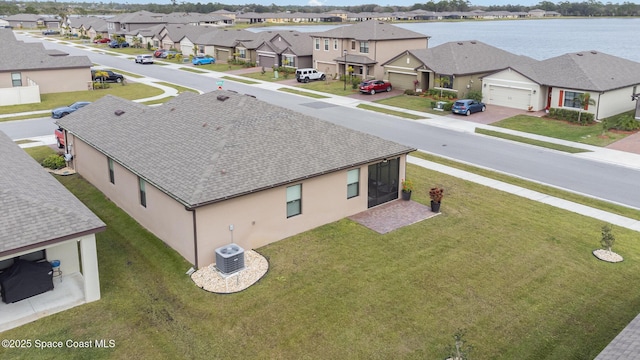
(540, 39)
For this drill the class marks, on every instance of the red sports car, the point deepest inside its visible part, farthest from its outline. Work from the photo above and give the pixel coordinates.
(102, 41)
(374, 86)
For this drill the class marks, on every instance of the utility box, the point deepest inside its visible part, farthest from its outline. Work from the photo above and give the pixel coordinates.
(440, 105)
(229, 259)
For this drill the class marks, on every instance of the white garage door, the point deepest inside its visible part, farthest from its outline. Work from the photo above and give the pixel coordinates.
(509, 97)
(401, 81)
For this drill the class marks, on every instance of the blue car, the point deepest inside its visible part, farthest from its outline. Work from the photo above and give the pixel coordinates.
(116, 44)
(66, 110)
(467, 107)
(203, 60)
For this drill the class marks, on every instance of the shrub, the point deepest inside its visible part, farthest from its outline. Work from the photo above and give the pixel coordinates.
(448, 106)
(623, 122)
(475, 95)
(54, 161)
(572, 116)
(409, 92)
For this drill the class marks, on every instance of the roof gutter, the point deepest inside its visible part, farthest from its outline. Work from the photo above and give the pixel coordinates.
(194, 206)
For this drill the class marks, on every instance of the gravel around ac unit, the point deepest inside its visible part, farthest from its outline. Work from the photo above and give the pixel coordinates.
(210, 279)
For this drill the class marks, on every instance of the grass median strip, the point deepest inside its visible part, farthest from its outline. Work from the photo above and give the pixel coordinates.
(391, 112)
(529, 141)
(303, 93)
(531, 185)
(240, 80)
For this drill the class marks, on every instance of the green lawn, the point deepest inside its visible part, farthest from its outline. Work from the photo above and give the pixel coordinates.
(391, 112)
(548, 145)
(518, 275)
(591, 134)
(417, 103)
(335, 87)
(130, 91)
(303, 93)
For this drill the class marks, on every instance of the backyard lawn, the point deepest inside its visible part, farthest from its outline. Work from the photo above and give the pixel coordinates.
(518, 275)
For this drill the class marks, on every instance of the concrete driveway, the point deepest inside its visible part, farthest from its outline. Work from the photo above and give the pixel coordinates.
(496, 113)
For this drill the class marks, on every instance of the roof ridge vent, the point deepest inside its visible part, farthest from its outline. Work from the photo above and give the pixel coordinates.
(118, 112)
(222, 97)
(594, 52)
(579, 54)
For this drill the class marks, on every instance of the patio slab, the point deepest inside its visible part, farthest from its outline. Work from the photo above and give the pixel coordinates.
(66, 294)
(393, 215)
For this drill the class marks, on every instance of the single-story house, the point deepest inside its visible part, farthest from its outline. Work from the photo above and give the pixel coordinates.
(209, 172)
(222, 44)
(32, 21)
(456, 66)
(28, 70)
(557, 82)
(40, 220)
(279, 48)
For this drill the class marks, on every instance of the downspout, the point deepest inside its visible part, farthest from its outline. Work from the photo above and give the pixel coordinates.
(195, 237)
(598, 107)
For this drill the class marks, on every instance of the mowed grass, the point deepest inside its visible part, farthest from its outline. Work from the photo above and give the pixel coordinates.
(590, 134)
(130, 91)
(518, 275)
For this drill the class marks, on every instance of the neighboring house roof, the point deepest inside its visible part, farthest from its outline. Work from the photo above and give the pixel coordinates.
(17, 55)
(178, 32)
(98, 24)
(586, 70)
(371, 30)
(298, 43)
(201, 149)
(224, 37)
(29, 18)
(467, 57)
(35, 209)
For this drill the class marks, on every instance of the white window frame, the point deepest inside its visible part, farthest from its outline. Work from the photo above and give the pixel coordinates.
(326, 44)
(353, 183)
(143, 192)
(16, 79)
(294, 200)
(317, 44)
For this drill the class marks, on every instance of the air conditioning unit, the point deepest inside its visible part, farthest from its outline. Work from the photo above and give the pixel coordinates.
(229, 259)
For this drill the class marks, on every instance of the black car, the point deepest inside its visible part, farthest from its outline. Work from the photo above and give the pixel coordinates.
(50, 32)
(106, 76)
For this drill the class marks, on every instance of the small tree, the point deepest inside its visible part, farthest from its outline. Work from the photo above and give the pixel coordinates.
(442, 81)
(607, 237)
(584, 100)
(460, 350)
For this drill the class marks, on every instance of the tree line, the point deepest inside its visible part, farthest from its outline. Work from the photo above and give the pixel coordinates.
(565, 8)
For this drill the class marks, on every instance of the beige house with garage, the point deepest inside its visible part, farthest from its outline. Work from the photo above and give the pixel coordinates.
(558, 82)
(365, 47)
(209, 173)
(456, 66)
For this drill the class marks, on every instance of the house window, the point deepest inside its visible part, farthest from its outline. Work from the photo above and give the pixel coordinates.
(143, 192)
(294, 200)
(364, 47)
(112, 178)
(445, 81)
(317, 44)
(353, 183)
(289, 60)
(572, 99)
(156, 44)
(242, 53)
(353, 45)
(201, 49)
(326, 44)
(335, 44)
(16, 79)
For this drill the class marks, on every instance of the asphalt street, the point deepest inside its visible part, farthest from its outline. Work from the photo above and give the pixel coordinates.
(608, 180)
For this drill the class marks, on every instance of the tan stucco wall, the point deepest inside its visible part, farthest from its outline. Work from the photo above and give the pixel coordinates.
(163, 216)
(381, 51)
(53, 81)
(258, 219)
(614, 102)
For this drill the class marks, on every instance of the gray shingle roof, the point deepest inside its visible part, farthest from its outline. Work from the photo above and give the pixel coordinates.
(225, 37)
(371, 30)
(17, 55)
(586, 70)
(34, 207)
(199, 149)
(467, 57)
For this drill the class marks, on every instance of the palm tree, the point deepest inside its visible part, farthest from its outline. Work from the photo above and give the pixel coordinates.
(584, 100)
(442, 82)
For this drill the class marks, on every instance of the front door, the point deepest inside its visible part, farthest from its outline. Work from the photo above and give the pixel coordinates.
(383, 182)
